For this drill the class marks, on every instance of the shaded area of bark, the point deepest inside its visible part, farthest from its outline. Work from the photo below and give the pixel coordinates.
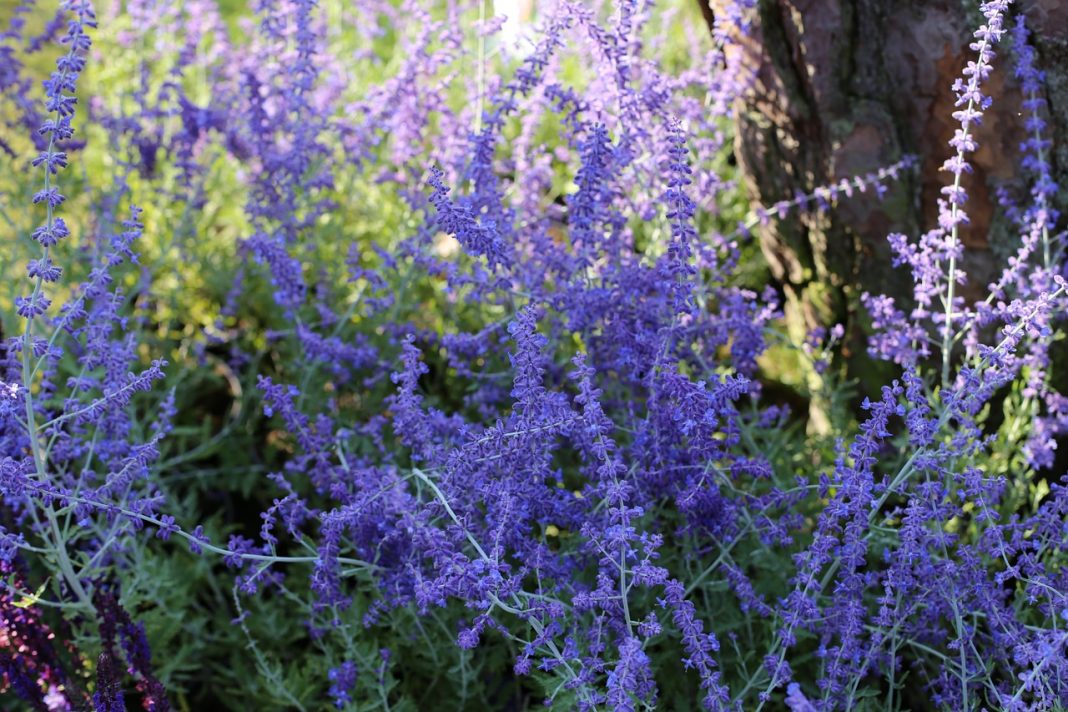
(842, 87)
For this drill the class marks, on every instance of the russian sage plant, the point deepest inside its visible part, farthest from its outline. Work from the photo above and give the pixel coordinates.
(385, 356)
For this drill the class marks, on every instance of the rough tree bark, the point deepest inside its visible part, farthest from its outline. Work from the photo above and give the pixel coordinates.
(845, 86)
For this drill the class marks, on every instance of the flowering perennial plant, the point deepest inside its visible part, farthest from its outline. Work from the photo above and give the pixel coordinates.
(373, 332)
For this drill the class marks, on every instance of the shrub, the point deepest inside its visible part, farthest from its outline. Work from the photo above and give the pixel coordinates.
(358, 332)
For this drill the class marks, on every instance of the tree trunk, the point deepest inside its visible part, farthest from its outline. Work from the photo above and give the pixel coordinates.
(845, 86)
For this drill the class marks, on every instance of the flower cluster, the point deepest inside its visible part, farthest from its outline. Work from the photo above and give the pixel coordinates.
(428, 346)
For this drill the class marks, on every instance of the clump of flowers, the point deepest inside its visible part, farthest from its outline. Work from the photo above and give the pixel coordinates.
(431, 351)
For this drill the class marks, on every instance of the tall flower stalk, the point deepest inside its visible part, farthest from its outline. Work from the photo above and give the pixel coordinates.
(60, 108)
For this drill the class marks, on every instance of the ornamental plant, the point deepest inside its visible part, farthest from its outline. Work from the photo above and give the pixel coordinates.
(395, 355)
